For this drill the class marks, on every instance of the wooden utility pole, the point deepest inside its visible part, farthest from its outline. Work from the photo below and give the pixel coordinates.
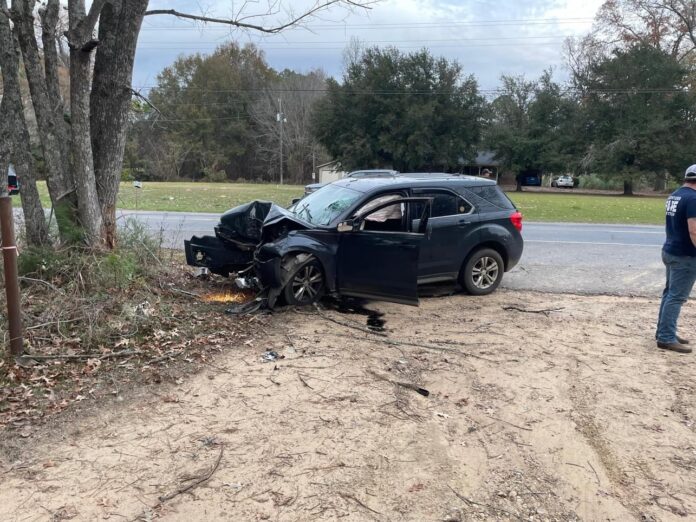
(281, 119)
(9, 257)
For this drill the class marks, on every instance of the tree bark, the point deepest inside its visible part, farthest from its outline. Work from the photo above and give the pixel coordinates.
(4, 144)
(660, 182)
(49, 37)
(627, 187)
(80, 42)
(16, 138)
(110, 102)
(53, 137)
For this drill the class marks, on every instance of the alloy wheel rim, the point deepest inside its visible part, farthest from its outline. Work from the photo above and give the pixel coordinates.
(307, 283)
(485, 272)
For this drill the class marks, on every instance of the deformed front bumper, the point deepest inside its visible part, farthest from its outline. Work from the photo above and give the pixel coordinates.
(217, 256)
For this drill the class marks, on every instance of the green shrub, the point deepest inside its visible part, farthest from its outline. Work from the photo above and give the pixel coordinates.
(117, 269)
(40, 261)
(212, 175)
(596, 182)
(134, 236)
(78, 269)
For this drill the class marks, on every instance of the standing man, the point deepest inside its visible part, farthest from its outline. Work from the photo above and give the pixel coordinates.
(679, 257)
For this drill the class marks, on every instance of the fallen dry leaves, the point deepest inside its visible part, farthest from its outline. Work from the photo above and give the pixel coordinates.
(143, 339)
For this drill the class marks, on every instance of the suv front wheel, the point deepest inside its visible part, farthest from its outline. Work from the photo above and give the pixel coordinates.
(482, 272)
(306, 285)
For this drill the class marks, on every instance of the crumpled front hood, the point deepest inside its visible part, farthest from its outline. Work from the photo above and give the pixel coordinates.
(278, 213)
(245, 223)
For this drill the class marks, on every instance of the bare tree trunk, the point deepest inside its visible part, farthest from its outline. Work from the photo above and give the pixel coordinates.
(52, 135)
(16, 138)
(660, 181)
(81, 45)
(49, 37)
(628, 187)
(4, 143)
(119, 26)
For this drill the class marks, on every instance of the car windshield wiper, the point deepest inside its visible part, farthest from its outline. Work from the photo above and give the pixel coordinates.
(305, 209)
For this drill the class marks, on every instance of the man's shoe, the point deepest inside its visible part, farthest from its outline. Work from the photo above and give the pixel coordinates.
(681, 340)
(674, 347)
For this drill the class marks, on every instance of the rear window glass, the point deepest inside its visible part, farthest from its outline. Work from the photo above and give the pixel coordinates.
(493, 195)
(448, 205)
(444, 204)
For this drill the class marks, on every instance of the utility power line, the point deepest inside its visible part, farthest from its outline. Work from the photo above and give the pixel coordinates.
(325, 48)
(395, 25)
(368, 42)
(628, 90)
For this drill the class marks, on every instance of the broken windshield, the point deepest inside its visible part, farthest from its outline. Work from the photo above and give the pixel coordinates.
(324, 205)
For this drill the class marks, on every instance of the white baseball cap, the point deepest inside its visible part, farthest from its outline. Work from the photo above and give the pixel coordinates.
(690, 174)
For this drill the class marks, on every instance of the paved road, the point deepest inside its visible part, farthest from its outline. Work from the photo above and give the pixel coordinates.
(558, 257)
(595, 259)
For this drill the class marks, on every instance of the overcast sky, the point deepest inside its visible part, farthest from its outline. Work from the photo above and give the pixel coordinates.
(488, 38)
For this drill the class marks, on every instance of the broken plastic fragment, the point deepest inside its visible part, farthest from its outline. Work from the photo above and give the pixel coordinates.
(271, 356)
(246, 308)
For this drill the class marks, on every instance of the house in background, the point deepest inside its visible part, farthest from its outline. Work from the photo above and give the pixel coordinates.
(329, 172)
(485, 160)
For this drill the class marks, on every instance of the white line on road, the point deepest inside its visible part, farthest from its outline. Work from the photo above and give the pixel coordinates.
(590, 243)
(602, 230)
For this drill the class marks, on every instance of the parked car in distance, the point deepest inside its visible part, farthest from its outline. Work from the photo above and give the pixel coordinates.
(375, 237)
(563, 182)
(529, 180)
(370, 173)
(12, 182)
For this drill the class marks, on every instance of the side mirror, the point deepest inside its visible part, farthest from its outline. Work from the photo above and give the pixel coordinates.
(347, 226)
(296, 200)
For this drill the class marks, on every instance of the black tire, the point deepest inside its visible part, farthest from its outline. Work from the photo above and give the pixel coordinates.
(482, 272)
(306, 284)
(553, 184)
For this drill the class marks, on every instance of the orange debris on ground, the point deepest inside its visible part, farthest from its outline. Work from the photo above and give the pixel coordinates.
(228, 296)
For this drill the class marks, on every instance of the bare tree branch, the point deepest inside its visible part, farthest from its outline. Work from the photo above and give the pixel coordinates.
(238, 22)
(90, 22)
(80, 34)
(688, 21)
(49, 34)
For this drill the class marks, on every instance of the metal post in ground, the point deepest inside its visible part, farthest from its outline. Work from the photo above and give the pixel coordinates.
(9, 257)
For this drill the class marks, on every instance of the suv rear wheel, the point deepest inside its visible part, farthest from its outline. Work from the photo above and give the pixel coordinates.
(482, 272)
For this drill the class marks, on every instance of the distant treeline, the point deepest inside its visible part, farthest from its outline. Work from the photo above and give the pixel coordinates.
(627, 112)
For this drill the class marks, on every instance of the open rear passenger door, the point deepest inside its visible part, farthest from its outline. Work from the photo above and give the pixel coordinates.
(382, 264)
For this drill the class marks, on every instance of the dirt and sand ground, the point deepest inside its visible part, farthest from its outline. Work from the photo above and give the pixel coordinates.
(571, 414)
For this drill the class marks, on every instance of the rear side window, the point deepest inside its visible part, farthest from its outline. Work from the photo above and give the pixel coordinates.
(444, 203)
(493, 195)
(448, 205)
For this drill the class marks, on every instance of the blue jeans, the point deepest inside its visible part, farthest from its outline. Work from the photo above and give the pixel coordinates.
(681, 274)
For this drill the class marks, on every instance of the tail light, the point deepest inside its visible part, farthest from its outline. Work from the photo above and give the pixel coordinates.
(516, 220)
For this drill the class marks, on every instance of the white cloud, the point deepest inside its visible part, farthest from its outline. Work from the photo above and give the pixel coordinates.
(488, 38)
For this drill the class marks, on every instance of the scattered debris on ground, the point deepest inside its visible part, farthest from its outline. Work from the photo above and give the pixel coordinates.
(567, 415)
(81, 348)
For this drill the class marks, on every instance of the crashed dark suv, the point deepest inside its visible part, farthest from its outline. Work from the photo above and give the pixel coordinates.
(376, 238)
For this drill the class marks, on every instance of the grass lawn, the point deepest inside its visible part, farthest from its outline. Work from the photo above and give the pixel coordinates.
(580, 208)
(218, 197)
(194, 197)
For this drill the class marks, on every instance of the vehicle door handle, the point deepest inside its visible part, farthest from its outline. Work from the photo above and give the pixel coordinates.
(464, 222)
